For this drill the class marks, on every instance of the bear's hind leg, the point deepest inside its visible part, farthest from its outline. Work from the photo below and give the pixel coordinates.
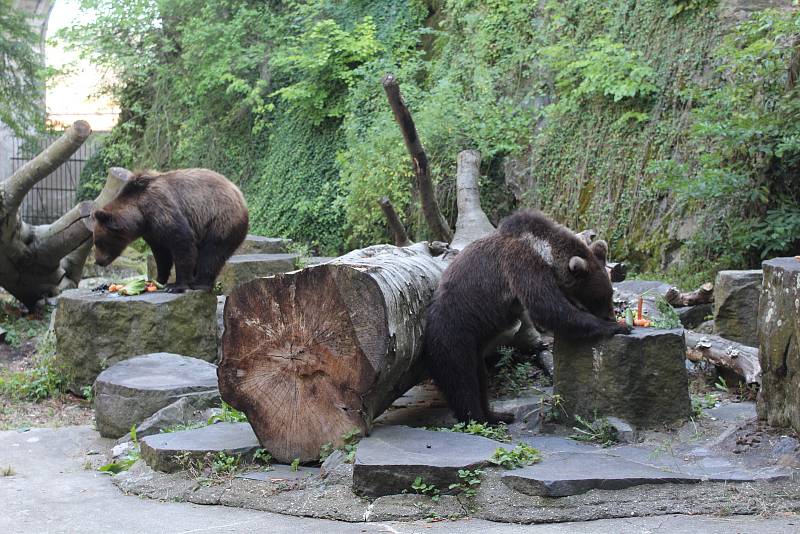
(211, 257)
(453, 368)
(491, 417)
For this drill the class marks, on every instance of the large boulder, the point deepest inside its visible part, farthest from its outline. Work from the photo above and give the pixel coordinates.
(779, 350)
(736, 296)
(131, 391)
(640, 377)
(242, 268)
(96, 329)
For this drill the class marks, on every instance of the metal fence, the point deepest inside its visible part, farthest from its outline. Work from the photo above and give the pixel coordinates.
(55, 195)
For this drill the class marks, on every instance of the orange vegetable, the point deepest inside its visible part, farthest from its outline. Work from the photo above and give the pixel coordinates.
(113, 288)
(639, 310)
(641, 322)
(797, 258)
(150, 288)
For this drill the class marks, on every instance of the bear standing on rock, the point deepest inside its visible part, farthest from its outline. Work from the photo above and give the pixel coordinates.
(530, 263)
(194, 218)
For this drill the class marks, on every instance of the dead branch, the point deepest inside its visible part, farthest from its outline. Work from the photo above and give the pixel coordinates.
(397, 228)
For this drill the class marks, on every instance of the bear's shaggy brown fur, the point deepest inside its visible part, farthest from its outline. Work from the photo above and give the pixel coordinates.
(194, 218)
(530, 263)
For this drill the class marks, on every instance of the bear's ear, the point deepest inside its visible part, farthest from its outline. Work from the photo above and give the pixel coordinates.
(578, 266)
(102, 216)
(600, 250)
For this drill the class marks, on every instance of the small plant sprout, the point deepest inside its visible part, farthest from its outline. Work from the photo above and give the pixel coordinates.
(420, 487)
(295, 465)
(600, 431)
(520, 456)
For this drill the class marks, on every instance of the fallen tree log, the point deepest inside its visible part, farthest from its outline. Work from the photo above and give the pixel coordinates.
(740, 359)
(312, 354)
(702, 295)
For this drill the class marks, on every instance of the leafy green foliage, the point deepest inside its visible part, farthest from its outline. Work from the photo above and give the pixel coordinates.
(468, 482)
(126, 462)
(669, 317)
(43, 379)
(21, 77)
(349, 440)
(514, 372)
(226, 463)
(703, 402)
(420, 487)
(599, 431)
(497, 433)
(228, 414)
(519, 456)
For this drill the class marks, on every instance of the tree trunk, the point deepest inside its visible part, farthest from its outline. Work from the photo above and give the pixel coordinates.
(439, 228)
(40, 261)
(740, 359)
(310, 355)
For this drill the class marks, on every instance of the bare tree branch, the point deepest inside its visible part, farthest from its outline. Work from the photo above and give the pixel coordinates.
(440, 230)
(18, 184)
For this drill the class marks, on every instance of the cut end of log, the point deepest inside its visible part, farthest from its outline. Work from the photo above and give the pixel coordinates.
(388, 80)
(82, 128)
(293, 360)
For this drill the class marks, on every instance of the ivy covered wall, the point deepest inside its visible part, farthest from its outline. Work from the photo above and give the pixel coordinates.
(664, 124)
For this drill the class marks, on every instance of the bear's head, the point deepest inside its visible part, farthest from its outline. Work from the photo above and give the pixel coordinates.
(111, 236)
(593, 288)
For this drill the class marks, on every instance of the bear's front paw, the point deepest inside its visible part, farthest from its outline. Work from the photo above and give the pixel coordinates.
(618, 328)
(175, 288)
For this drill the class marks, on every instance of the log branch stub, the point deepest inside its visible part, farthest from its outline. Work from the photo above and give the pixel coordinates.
(439, 228)
(312, 354)
(702, 295)
(21, 182)
(472, 222)
(617, 271)
(397, 228)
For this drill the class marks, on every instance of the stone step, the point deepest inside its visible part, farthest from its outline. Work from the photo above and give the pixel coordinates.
(640, 377)
(162, 451)
(392, 457)
(131, 391)
(256, 244)
(242, 268)
(97, 329)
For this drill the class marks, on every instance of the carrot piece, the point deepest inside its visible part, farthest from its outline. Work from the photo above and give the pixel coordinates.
(639, 309)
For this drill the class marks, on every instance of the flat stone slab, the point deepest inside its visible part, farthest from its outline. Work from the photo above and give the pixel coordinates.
(572, 474)
(159, 451)
(256, 244)
(388, 461)
(130, 391)
(736, 295)
(281, 473)
(241, 268)
(640, 377)
(96, 329)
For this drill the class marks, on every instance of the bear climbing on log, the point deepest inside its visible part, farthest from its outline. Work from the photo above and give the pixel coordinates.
(530, 263)
(194, 218)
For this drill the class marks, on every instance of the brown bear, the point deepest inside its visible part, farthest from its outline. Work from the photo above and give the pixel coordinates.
(530, 264)
(194, 218)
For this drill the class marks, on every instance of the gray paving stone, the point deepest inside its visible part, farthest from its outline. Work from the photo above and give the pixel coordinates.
(388, 461)
(281, 473)
(572, 474)
(159, 451)
(131, 391)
